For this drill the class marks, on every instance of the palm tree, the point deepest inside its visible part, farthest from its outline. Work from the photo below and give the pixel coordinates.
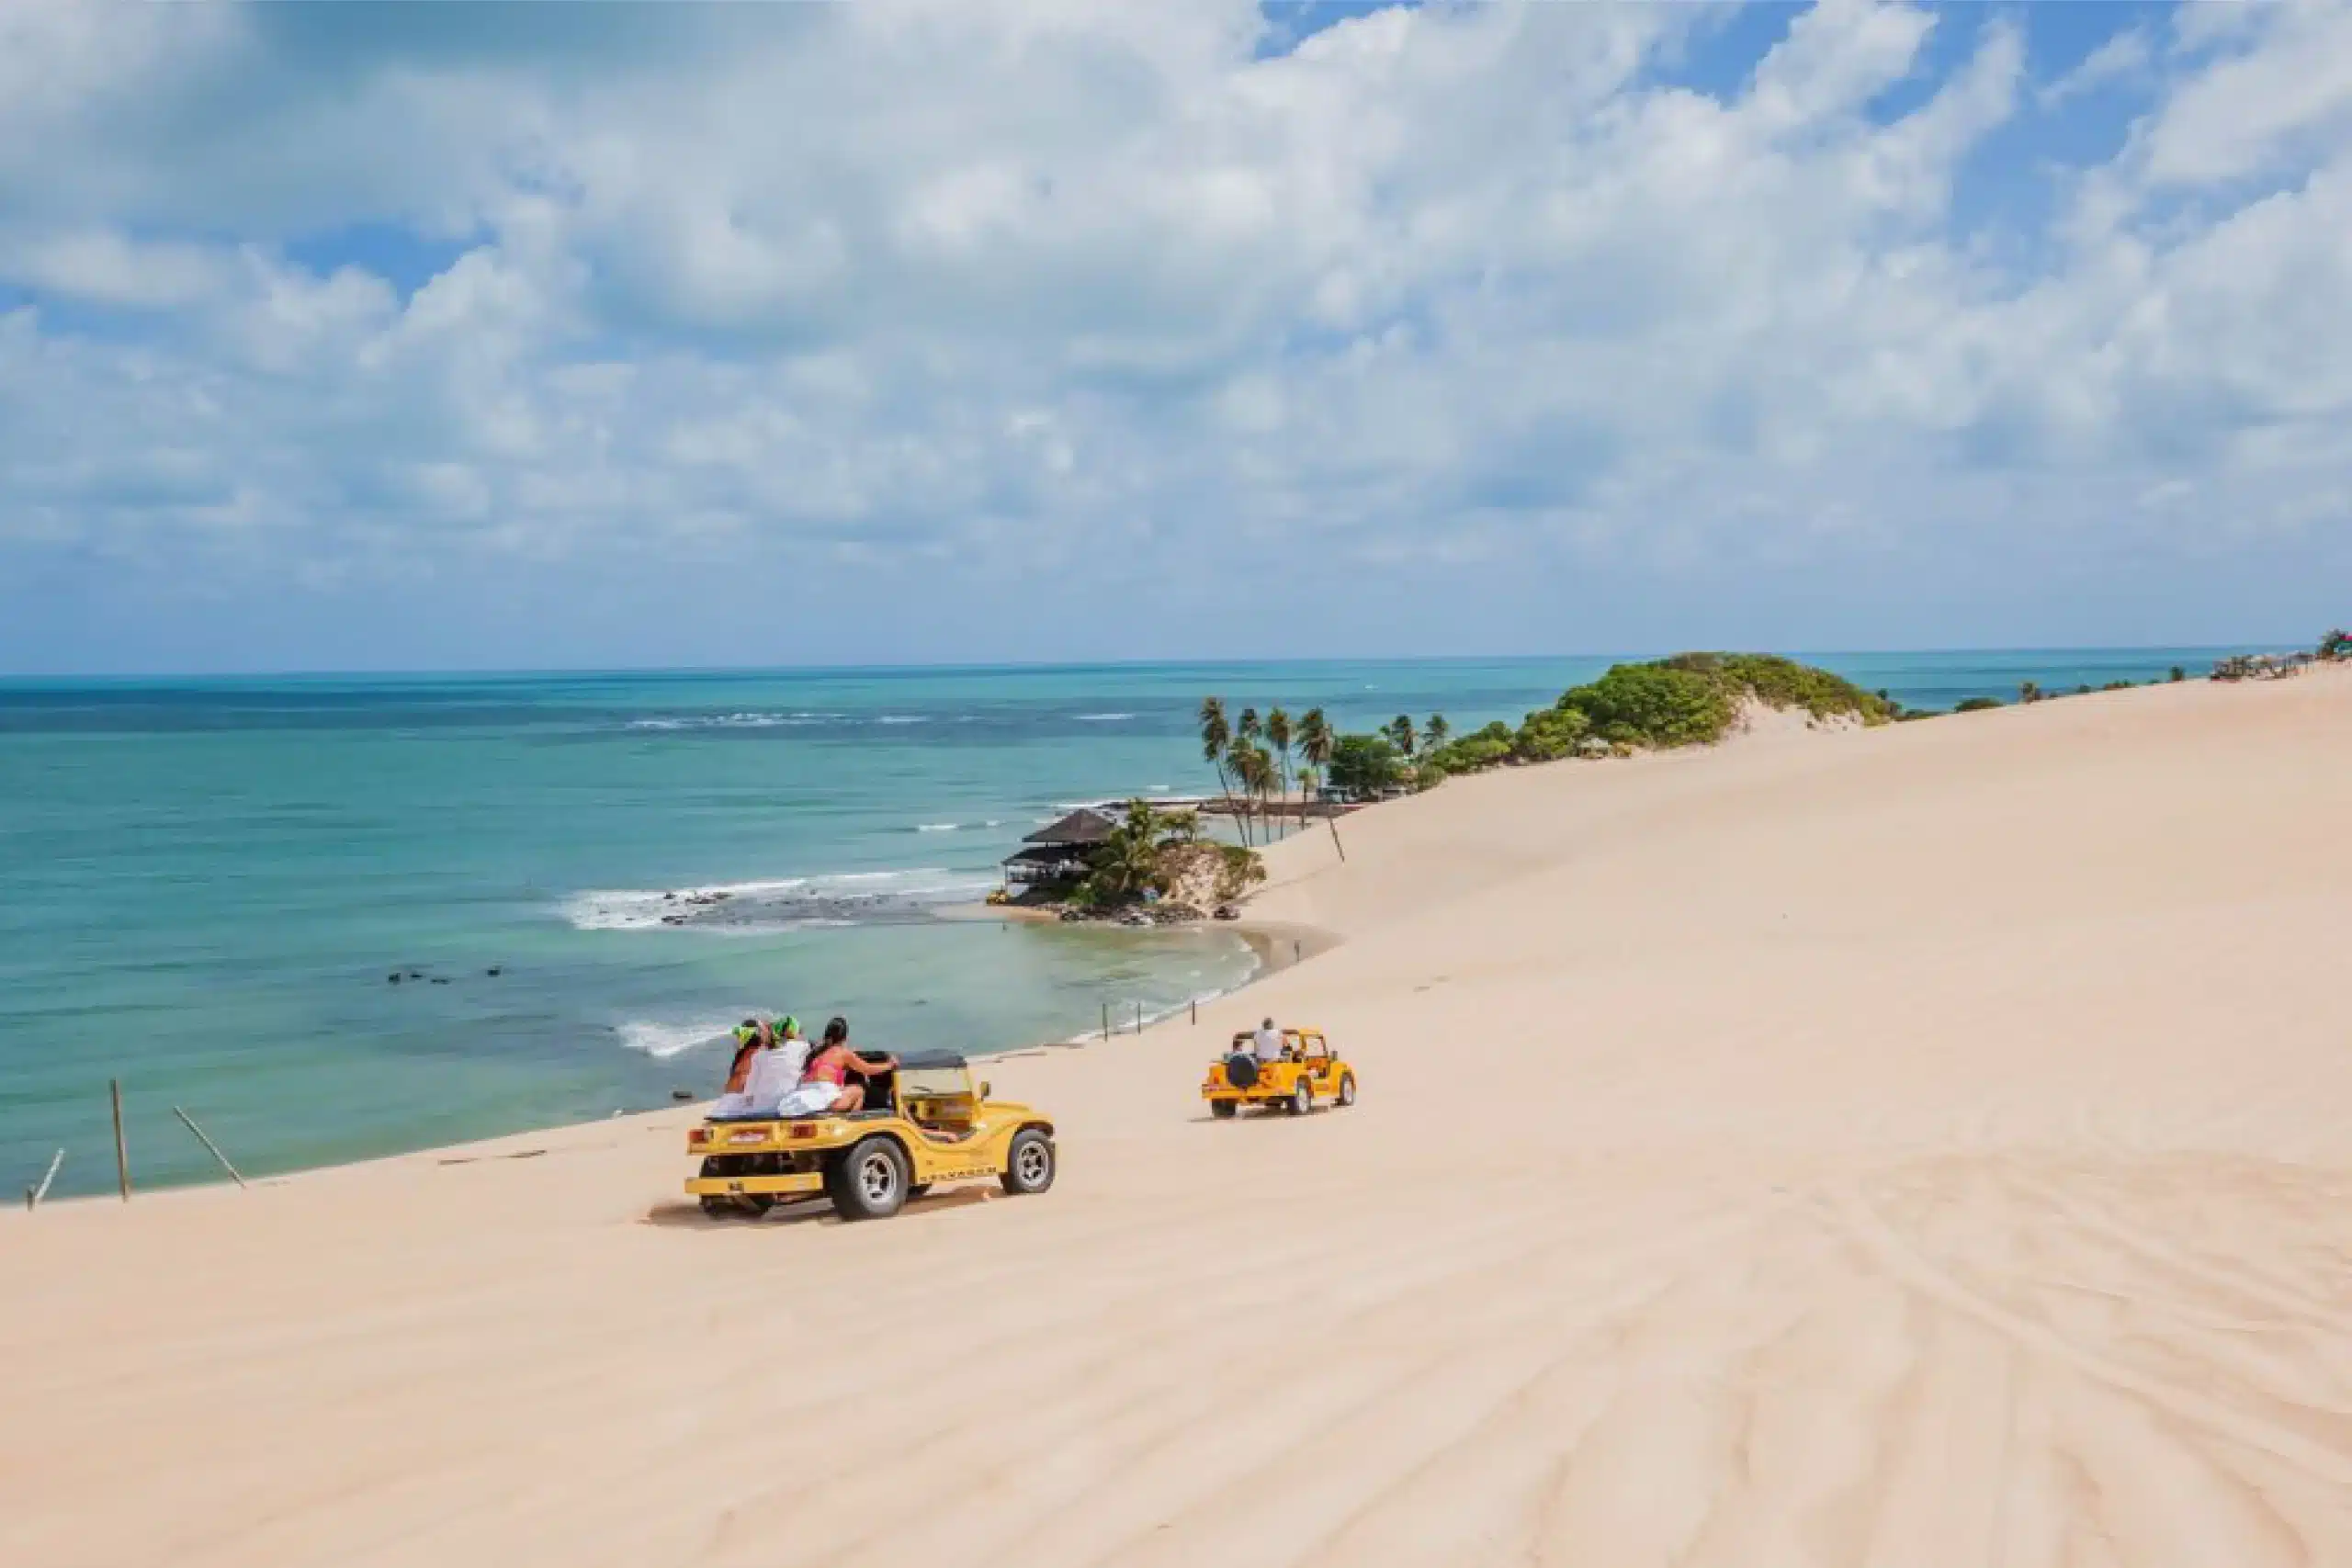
(1315, 743)
(1434, 737)
(1217, 739)
(1255, 770)
(1278, 735)
(1128, 860)
(1400, 733)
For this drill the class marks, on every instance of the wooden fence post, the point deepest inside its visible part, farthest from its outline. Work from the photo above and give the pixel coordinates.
(208, 1143)
(1106, 1020)
(33, 1195)
(121, 1150)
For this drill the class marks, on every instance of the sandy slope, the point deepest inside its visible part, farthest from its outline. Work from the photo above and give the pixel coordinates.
(1924, 1146)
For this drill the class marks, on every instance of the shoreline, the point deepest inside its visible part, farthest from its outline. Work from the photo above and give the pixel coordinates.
(1278, 945)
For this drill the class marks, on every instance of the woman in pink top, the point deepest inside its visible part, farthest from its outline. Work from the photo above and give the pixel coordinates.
(831, 1066)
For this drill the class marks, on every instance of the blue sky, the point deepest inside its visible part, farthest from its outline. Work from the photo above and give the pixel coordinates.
(366, 336)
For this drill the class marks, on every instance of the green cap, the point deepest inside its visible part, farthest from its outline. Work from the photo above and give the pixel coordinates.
(787, 1024)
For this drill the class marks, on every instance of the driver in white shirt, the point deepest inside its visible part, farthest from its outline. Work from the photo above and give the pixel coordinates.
(1268, 1044)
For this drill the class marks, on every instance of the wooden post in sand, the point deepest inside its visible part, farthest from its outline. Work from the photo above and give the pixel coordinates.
(1106, 1020)
(121, 1150)
(33, 1195)
(1196, 1012)
(1138, 1018)
(1333, 823)
(208, 1143)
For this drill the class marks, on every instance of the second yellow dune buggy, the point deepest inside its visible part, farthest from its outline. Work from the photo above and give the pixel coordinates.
(923, 1123)
(1308, 1068)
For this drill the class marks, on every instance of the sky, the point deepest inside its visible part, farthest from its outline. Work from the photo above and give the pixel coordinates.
(446, 336)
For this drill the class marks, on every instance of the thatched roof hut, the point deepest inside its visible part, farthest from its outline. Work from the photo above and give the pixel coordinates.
(1057, 851)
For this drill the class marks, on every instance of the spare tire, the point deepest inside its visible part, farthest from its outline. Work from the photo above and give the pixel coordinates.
(1241, 1070)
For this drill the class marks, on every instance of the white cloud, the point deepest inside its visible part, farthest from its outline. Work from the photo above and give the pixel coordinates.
(2125, 57)
(939, 283)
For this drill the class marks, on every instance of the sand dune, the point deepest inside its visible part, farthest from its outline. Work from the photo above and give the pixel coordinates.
(1930, 1145)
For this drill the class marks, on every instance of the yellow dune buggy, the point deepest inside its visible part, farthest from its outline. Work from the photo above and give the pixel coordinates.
(923, 1123)
(1308, 1068)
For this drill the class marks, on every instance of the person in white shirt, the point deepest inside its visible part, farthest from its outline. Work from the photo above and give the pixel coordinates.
(777, 1070)
(1268, 1043)
(778, 1056)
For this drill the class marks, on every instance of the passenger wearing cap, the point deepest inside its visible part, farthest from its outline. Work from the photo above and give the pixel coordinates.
(768, 1060)
(751, 1036)
(778, 1069)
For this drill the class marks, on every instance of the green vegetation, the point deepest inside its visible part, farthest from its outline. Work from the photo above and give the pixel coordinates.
(2336, 644)
(1152, 851)
(1366, 763)
(2178, 674)
(1315, 742)
(1975, 705)
(1690, 699)
(1550, 734)
(1239, 870)
(1662, 704)
(1784, 683)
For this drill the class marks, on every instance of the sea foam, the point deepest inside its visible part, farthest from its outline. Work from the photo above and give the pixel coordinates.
(787, 903)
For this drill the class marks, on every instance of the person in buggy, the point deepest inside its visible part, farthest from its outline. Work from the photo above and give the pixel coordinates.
(825, 1088)
(769, 1061)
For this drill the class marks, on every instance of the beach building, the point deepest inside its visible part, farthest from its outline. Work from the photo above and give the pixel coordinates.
(1057, 851)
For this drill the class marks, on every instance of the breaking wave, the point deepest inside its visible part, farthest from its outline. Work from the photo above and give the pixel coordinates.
(734, 720)
(664, 1041)
(790, 903)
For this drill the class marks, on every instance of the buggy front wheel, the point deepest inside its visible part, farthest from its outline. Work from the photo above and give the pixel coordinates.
(1028, 1164)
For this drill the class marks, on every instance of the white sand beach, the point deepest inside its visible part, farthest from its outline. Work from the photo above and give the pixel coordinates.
(1917, 1146)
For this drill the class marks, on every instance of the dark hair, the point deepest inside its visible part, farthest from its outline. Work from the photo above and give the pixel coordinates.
(837, 1032)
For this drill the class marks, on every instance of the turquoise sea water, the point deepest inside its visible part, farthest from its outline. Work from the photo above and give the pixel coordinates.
(208, 882)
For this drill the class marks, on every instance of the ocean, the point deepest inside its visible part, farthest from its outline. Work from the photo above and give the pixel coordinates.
(209, 883)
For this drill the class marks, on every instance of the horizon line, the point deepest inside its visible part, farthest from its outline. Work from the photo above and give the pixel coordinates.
(455, 673)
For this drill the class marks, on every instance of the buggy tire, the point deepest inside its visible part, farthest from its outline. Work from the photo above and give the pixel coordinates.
(1028, 1164)
(917, 1191)
(717, 1208)
(1302, 1097)
(1241, 1070)
(1347, 1089)
(869, 1182)
(1223, 1110)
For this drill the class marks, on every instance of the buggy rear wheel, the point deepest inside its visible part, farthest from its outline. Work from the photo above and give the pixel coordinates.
(870, 1181)
(1223, 1109)
(1302, 1097)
